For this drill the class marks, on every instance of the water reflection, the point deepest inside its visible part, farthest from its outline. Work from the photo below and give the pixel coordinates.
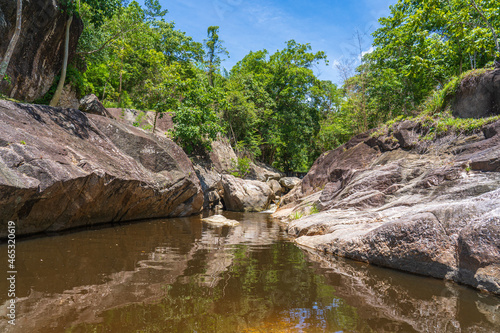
(182, 276)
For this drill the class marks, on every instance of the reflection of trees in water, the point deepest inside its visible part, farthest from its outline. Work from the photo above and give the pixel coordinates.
(246, 279)
(260, 288)
(391, 301)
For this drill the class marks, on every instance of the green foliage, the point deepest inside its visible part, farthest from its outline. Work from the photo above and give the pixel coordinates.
(426, 42)
(248, 107)
(96, 11)
(314, 209)
(273, 95)
(272, 107)
(196, 128)
(296, 216)
(419, 47)
(445, 123)
(441, 99)
(139, 119)
(241, 167)
(137, 53)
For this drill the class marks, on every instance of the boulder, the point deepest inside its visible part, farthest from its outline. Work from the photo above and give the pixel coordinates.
(478, 96)
(211, 184)
(289, 182)
(263, 172)
(91, 104)
(61, 169)
(38, 55)
(68, 98)
(222, 155)
(220, 221)
(479, 252)
(242, 195)
(432, 211)
(143, 119)
(335, 166)
(275, 187)
(406, 134)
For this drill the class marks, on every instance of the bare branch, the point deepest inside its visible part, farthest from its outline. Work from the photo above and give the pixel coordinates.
(103, 46)
(495, 37)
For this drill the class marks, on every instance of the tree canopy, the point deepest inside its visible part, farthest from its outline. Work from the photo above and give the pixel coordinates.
(272, 106)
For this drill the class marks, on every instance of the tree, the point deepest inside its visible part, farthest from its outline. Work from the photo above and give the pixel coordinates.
(248, 107)
(153, 10)
(196, 123)
(425, 43)
(99, 11)
(12, 45)
(288, 120)
(141, 51)
(214, 48)
(335, 126)
(487, 22)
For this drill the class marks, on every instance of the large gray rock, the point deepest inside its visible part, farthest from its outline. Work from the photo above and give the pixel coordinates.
(275, 187)
(69, 98)
(263, 172)
(289, 182)
(144, 119)
(478, 96)
(242, 195)
(211, 184)
(38, 55)
(432, 211)
(91, 104)
(61, 168)
(222, 156)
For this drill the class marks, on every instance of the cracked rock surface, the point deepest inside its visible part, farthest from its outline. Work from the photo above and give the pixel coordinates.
(61, 169)
(430, 208)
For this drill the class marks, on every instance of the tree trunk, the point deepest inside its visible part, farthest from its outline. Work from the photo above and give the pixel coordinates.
(121, 81)
(12, 45)
(60, 86)
(154, 124)
(104, 91)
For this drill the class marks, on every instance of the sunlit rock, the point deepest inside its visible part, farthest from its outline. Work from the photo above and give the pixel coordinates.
(219, 220)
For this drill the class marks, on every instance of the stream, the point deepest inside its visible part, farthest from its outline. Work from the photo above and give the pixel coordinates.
(181, 275)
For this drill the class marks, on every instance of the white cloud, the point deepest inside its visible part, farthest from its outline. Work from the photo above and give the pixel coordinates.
(370, 50)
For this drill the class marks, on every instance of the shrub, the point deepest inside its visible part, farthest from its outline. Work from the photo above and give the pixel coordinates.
(241, 167)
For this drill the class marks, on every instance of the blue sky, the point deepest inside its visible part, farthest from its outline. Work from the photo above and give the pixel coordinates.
(328, 25)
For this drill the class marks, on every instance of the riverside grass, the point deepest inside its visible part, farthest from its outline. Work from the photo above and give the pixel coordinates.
(435, 116)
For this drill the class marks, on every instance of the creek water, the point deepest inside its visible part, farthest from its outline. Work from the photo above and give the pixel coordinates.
(180, 275)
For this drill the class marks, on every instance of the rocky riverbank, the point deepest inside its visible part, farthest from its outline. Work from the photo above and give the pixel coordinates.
(62, 168)
(430, 207)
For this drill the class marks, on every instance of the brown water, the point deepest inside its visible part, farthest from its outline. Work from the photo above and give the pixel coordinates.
(182, 276)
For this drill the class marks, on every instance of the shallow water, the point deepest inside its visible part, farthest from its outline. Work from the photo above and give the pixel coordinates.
(180, 275)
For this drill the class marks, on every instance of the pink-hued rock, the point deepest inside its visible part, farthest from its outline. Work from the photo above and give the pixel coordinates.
(425, 207)
(62, 168)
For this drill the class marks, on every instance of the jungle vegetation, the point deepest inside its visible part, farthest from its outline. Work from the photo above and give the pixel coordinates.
(271, 105)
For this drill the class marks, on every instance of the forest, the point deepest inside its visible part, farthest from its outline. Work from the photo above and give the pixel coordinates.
(271, 105)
